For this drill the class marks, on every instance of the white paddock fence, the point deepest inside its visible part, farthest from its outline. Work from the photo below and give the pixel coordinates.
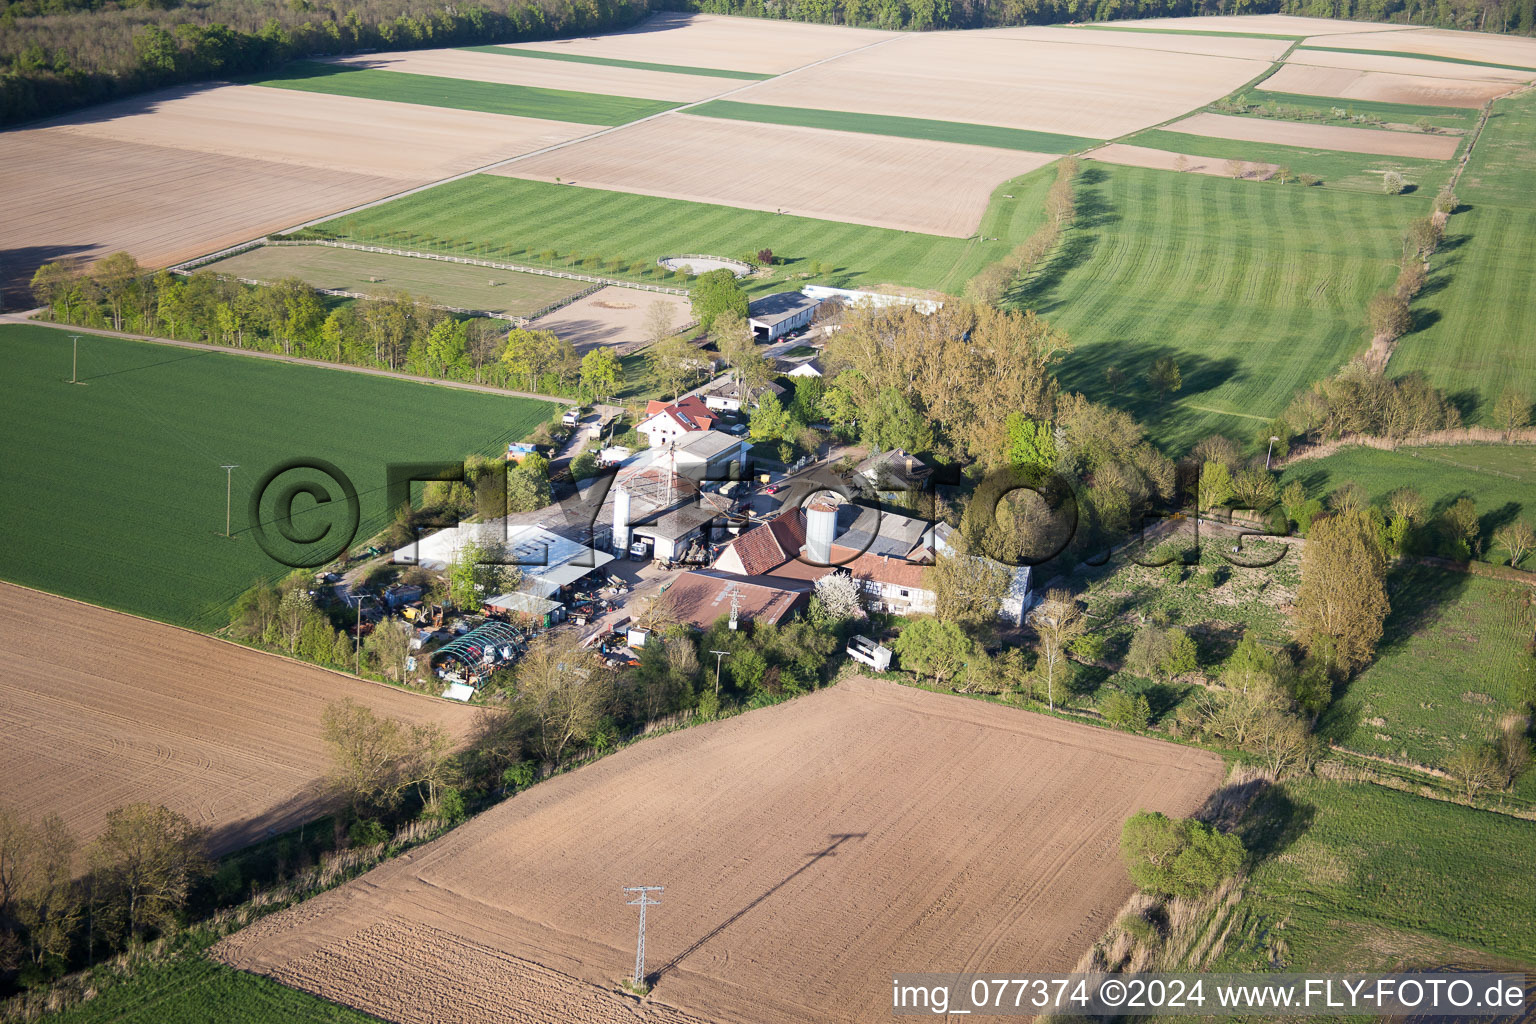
(597, 283)
(494, 264)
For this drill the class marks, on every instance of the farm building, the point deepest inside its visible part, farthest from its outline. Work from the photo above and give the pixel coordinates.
(888, 554)
(894, 471)
(667, 422)
(774, 316)
(849, 297)
(548, 560)
(726, 394)
(702, 596)
(709, 455)
(517, 605)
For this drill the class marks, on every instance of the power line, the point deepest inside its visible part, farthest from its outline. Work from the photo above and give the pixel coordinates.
(642, 901)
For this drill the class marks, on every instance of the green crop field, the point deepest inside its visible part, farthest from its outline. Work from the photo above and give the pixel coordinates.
(903, 127)
(1256, 290)
(192, 989)
(1418, 56)
(1440, 117)
(1501, 479)
(114, 491)
(1447, 670)
(515, 219)
(371, 273)
(1358, 877)
(1502, 168)
(463, 94)
(1350, 172)
(615, 62)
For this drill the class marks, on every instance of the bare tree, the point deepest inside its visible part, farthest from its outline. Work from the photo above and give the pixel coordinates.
(1512, 411)
(658, 321)
(564, 689)
(1517, 538)
(1057, 621)
(369, 754)
(1474, 768)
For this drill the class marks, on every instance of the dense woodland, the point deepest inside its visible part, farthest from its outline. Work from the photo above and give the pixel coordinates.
(56, 55)
(1517, 16)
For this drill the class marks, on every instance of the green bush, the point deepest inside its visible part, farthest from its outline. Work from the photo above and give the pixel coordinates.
(1127, 711)
(367, 832)
(1177, 856)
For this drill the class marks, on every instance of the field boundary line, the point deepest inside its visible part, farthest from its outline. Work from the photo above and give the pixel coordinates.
(185, 268)
(231, 643)
(560, 145)
(26, 319)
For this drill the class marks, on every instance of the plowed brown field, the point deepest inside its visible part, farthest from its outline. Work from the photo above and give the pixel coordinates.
(807, 851)
(939, 188)
(99, 709)
(1349, 84)
(1085, 88)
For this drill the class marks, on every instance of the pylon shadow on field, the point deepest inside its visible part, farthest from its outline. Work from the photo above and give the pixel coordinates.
(838, 839)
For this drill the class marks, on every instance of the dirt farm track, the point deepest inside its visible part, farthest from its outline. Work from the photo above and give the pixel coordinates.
(99, 709)
(807, 850)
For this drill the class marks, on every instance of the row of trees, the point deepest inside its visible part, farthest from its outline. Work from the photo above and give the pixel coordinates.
(1518, 16)
(1388, 312)
(133, 880)
(60, 54)
(394, 331)
(994, 281)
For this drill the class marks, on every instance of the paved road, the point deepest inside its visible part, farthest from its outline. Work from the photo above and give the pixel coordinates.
(25, 318)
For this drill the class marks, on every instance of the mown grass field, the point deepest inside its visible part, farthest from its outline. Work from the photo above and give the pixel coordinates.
(1448, 670)
(615, 62)
(1358, 877)
(1472, 325)
(1501, 479)
(1392, 113)
(1255, 290)
(903, 127)
(114, 491)
(1349, 172)
(1503, 164)
(463, 94)
(513, 218)
(371, 273)
(192, 989)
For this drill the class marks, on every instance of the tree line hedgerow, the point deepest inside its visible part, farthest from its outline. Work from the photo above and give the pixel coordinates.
(56, 55)
(1477, 15)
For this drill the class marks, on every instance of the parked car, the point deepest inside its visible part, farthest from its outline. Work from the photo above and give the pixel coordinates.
(737, 428)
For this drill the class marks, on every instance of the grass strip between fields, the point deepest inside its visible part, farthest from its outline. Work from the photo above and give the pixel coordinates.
(1338, 169)
(1185, 32)
(1420, 56)
(1466, 116)
(463, 94)
(615, 62)
(902, 127)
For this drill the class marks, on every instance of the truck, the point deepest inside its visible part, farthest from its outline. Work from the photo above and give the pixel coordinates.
(641, 548)
(571, 418)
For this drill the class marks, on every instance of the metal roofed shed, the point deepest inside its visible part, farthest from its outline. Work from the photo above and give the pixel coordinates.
(544, 610)
(479, 651)
(773, 316)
